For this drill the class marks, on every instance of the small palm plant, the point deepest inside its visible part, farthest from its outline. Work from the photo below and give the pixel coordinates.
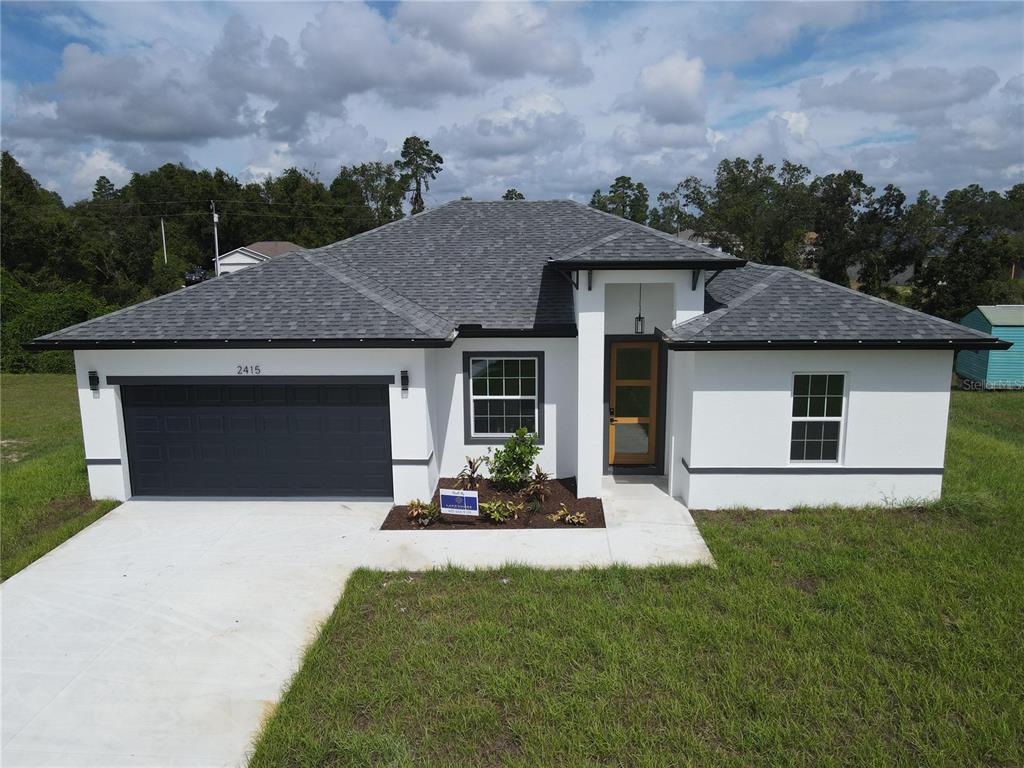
(471, 474)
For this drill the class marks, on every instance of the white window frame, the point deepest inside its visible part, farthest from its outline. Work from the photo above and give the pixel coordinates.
(841, 419)
(536, 396)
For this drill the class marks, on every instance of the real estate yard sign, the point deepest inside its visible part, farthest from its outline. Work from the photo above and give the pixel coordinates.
(461, 503)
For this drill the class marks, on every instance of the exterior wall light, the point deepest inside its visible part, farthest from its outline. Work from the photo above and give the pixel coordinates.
(94, 381)
(638, 321)
(404, 378)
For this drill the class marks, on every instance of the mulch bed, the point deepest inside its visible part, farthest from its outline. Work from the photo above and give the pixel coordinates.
(562, 491)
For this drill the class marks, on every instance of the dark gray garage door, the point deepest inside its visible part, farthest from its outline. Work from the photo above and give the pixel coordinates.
(256, 440)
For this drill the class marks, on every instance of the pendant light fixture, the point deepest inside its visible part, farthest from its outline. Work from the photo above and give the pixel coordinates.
(638, 321)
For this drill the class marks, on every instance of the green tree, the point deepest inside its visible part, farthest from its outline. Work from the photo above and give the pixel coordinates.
(883, 242)
(419, 165)
(980, 240)
(840, 200)
(370, 195)
(513, 194)
(625, 198)
(752, 209)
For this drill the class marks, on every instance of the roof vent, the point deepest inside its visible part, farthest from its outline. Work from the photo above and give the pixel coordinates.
(466, 199)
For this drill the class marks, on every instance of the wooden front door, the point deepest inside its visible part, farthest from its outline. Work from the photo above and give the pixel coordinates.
(633, 419)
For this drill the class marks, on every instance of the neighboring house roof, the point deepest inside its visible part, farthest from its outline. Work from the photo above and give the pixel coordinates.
(1003, 314)
(487, 268)
(767, 307)
(267, 249)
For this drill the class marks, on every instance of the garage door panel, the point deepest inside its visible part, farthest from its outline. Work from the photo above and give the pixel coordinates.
(145, 424)
(208, 394)
(253, 440)
(177, 424)
(242, 424)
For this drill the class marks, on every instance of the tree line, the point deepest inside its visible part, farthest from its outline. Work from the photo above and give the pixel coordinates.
(64, 264)
(962, 250)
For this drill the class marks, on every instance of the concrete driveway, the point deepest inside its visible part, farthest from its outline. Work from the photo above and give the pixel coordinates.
(163, 634)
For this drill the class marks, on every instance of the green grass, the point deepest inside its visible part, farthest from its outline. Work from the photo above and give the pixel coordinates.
(44, 492)
(825, 637)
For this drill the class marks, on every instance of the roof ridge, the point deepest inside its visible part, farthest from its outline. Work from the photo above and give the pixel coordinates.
(362, 235)
(385, 296)
(580, 250)
(629, 223)
(879, 300)
(714, 315)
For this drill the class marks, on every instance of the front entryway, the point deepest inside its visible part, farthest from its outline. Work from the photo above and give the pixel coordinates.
(633, 403)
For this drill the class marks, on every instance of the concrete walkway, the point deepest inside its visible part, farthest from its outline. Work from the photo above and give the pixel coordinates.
(164, 633)
(645, 526)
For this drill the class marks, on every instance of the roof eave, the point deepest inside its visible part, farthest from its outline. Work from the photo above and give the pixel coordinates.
(39, 345)
(563, 331)
(805, 344)
(691, 264)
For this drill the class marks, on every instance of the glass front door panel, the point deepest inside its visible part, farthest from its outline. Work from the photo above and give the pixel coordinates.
(633, 395)
(633, 363)
(632, 400)
(632, 439)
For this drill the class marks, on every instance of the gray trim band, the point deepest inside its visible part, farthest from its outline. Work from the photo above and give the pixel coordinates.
(813, 469)
(249, 380)
(413, 462)
(101, 462)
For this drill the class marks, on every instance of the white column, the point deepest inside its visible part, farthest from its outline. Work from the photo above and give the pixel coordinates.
(591, 418)
(688, 298)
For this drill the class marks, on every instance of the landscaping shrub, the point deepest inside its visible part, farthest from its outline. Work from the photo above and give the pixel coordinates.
(423, 513)
(469, 478)
(563, 515)
(510, 465)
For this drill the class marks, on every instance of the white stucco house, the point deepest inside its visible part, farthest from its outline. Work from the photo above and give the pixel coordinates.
(253, 254)
(374, 366)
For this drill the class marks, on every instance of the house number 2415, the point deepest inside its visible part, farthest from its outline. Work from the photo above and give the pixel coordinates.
(248, 370)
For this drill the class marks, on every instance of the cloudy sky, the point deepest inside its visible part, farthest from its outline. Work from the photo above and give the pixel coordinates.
(554, 99)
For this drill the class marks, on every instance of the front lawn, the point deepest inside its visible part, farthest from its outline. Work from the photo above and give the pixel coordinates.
(824, 637)
(44, 492)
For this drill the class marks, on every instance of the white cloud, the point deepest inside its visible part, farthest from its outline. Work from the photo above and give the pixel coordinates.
(669, 91)
(903, 91)
(97, 163)
(533, 123)
(502, 40)
(770, 28)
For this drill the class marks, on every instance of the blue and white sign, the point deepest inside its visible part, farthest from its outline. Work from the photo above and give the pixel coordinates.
(462, 503)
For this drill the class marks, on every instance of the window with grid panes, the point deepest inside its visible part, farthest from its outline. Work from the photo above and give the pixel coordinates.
(818, 404)
(503, 394)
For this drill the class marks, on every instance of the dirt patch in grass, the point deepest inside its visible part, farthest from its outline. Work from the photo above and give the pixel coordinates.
(561, 491)
(806, 584)
(57, 512)
(11, 451)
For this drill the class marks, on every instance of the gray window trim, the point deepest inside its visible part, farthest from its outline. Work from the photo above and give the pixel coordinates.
(467, 397)
(841, 419)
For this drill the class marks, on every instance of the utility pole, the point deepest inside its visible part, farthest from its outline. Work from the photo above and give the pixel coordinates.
(163, 238)
(216, 243)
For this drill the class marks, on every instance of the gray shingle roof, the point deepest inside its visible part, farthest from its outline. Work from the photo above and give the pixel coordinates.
(291, 297)
(494, 267)
(627, 243)
(765, 306)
